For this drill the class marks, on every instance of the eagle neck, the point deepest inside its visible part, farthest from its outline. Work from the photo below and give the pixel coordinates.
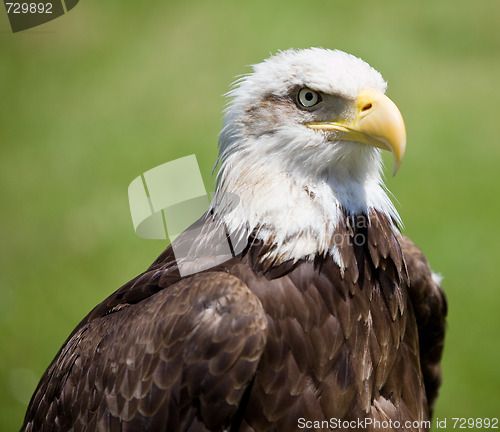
(298, 218)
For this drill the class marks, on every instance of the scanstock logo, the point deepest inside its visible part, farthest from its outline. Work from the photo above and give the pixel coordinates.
(25, 14)
(166, 203)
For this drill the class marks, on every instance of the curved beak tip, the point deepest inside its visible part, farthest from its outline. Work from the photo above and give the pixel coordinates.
(398, 151)
(383, 122)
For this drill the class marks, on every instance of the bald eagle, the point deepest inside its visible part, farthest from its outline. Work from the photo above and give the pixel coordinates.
(323, 316)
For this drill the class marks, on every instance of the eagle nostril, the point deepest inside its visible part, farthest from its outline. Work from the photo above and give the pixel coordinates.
(366, 107)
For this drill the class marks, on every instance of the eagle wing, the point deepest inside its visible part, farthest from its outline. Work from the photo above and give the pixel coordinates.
(429, 303)
(182, 358)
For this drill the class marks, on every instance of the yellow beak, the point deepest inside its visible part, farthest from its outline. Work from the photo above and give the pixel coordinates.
(378, 123)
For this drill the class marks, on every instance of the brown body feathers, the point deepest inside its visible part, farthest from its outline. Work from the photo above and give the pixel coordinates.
(245, 346)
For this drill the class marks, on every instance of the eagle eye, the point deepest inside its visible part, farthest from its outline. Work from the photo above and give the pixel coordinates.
(308, 98)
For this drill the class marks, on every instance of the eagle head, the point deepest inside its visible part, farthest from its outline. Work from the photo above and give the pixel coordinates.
(301, 148)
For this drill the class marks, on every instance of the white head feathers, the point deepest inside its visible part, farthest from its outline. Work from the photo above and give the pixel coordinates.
(292, 182)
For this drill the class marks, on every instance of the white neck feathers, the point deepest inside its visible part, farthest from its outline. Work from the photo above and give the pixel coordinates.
(299, 215)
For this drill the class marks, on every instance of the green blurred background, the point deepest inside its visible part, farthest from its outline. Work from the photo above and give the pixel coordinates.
(93, 99)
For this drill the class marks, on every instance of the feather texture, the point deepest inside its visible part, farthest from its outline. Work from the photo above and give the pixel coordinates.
(243, 348)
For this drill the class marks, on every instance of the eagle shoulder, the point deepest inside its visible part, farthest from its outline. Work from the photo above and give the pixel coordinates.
(429, 303)
(181, 358)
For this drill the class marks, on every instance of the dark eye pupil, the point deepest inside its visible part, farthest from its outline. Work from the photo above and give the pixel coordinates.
(309, 96)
